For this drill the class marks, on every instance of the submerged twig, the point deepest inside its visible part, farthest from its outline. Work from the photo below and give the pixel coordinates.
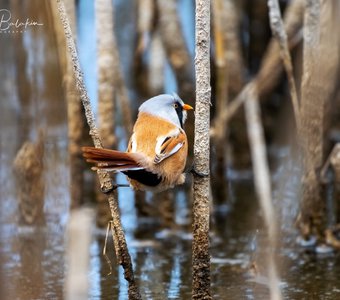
(122, 252)
(262, 182)
(201, 211)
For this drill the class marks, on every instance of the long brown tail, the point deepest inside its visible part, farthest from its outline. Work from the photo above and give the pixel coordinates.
(113, 160)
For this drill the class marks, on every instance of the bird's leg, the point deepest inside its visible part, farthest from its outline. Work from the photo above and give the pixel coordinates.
(113, 187)
(121, 185)
(193, 171)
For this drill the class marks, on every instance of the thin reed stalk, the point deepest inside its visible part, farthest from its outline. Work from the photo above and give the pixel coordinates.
(279, 33)
(122, 252)
(262, 183)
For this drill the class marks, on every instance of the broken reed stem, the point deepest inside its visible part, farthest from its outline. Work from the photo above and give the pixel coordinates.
(201, 211)
(122, 252)
(262, 182)
(279, 33)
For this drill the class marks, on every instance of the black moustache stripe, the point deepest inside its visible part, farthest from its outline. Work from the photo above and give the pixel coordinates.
(179, 111)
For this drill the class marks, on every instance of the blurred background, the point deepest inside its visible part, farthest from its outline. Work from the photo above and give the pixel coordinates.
(53, 217)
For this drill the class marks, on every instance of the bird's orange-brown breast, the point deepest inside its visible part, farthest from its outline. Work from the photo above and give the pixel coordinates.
(146, 131)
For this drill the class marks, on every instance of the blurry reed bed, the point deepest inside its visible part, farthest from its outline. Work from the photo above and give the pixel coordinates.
(244, 54)
(274, 80)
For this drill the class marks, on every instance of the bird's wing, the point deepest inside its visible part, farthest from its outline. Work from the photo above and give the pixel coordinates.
(169, 145)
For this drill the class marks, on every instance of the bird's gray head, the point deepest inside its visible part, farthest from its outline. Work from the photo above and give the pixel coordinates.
(168, 107)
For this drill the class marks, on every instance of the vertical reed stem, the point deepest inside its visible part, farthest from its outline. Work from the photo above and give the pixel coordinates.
(201, 256)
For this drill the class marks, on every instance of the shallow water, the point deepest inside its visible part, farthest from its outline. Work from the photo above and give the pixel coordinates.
(34, 260)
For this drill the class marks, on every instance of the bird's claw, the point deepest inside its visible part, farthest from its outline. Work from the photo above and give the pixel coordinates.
(193, 171)
(112, 187)
(108, 188)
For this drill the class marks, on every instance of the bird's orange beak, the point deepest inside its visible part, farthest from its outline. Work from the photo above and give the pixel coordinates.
(187, 107)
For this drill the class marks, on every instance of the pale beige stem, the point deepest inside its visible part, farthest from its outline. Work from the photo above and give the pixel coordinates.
(262, 183)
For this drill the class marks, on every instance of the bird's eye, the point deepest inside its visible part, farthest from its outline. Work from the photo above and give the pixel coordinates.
(175, 105)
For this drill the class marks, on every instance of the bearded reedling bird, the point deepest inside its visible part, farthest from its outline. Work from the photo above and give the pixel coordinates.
(157, 151)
